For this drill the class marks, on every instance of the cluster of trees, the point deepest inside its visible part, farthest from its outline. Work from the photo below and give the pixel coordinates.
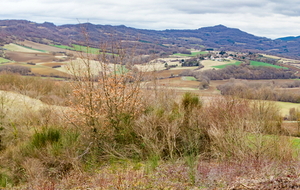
(248, 72)
(242, 71)
(193, 62)
(15, 69)
(260, 90)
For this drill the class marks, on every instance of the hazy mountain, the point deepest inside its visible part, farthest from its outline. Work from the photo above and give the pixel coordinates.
(289, 38)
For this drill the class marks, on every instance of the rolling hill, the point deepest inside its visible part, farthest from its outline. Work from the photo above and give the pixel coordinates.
(165, 42)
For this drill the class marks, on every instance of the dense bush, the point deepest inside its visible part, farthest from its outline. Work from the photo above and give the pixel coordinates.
(243, 72)
(38, 145)
(15, 69)
(260, 90)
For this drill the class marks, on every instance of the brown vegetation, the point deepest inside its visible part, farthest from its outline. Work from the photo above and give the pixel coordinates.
(168, 142)
(109, 132)
(30, 57)
(262, 90)
(243, 71)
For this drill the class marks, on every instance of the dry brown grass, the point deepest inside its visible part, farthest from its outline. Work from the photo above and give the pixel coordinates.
(37, 57)
(51, 64)
(41, 46)
(49, 72)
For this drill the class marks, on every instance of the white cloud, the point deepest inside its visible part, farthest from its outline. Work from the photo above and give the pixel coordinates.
(270, 18)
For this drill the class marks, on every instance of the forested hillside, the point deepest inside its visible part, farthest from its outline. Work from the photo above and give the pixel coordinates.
(148, 41)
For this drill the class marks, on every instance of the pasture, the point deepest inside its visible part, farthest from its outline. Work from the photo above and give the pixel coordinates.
(79, 48)
(210, 64)
(225, 65)
(253, 63)
(63, 47)
(3, 60)
(262, 64)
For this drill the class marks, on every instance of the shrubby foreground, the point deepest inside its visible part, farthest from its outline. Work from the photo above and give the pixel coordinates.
(167, 141)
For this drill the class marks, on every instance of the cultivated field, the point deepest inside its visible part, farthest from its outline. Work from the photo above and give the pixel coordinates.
(34, 57)
(41, 46)
(18, 48)
(210, 64)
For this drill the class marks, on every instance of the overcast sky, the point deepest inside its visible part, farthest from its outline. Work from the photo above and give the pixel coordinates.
(267, 18)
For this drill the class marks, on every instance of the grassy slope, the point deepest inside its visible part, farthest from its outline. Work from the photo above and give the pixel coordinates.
(79, 48)
(253, 63)
(63, 47)
(225, 65)
(258, 64)
(16, 47)
(3, 60)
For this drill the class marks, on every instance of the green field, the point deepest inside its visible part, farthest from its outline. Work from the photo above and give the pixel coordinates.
(86, 49)
(80, 48)
(253, 63)
(3, 60)
(295, 142)
(262, 64)
(121, 69)
(189, 78)
(193, 54)
(63, 47)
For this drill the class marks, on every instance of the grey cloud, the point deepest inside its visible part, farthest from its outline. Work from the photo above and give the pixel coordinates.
(216, 6)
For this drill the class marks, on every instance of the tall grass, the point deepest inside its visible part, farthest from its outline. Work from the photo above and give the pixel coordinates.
(48, 91)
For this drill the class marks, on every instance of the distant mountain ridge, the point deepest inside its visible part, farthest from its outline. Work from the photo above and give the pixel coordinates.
(166, 41)
(289, 38)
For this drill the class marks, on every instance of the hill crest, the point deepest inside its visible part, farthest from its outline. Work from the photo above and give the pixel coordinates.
(218, 37)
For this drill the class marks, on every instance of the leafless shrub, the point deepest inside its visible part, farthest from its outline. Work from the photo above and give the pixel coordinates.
(15, 69)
